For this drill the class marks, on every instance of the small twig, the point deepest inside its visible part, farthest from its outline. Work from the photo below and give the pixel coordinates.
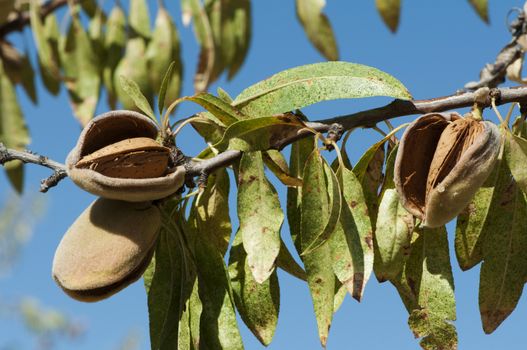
(59, 169)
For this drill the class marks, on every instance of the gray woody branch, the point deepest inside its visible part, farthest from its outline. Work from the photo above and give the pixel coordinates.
(365, 119)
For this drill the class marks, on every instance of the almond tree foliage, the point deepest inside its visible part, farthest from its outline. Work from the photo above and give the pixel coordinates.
(347, 221)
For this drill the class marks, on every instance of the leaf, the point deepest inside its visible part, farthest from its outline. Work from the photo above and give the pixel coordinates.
(218, 326)
(13, 128)
(115, 42)
(504, 267)
(321, 281)
(139, 18)
(517, 158)
(163, 282)
(163, 89)
(320, 190)
(352, 243)
(300, 151)
(132, 89)
(260, 134)
(45, 54)
(260, 216)
(472, 222)
(369, 172)
(340, 295)
(481, 7)
(82, 71)
(212, 211)
(275, 161)
(163, 50)
(6, 7)
(203, 31)
(305, 85)
(220, 109)
(286, 262)
(393, 231)
(257, 303)
(429, 275)
(19, 69)
(50, 79)
(236, 30)
(210, 128)
(390, 10)
(317, 27)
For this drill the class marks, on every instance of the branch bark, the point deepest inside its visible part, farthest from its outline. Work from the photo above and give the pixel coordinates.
(366, 119)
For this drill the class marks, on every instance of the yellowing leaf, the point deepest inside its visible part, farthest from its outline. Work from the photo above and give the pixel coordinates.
(390, 10)
(481, 7)
(260, 216)
(257, 303)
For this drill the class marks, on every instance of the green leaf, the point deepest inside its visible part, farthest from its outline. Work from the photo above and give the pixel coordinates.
(6, 7)
(51, 80)
(115, 43)
(321, 281)
(504, 269)
(286, 262)
(321, 190)
(45, 53)
(82, 71)
(305, 85)
(212, 211)
(317, 27)
(390, 11)
(369, 172)
(133, 66)
(257, 303)
(163, 51)
(163, 282)
(13, 128)
(300, 151)
(139, 18)
(218, 326)
(352, 243)
(163, 89)
(133, 90)
(210, 128)
(340, 295)
(481, 7)
(260, 216)
(236, 31)
(275, 161)
(220, 109)
(260, 134)
(517, 158)
(473, 221)
(393, 231)
(18, 68)
(429, 275)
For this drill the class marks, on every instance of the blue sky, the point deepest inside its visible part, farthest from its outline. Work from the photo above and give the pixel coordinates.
(440, 46)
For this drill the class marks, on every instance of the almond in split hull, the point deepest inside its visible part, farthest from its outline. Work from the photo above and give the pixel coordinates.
(441, 162)
(135, 158)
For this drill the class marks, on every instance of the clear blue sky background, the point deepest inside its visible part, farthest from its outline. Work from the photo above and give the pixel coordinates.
(440, 46)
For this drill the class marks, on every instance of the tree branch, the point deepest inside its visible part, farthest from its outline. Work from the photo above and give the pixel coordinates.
(367, 119)
(22, 18)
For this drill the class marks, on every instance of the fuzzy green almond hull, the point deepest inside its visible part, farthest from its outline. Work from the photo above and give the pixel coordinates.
(107, 248)
(438, 169)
